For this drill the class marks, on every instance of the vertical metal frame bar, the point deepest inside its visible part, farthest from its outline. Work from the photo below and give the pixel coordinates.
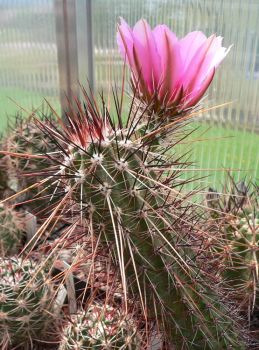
(85, 43)
(75, 47)
(89, 45)
(66, 34)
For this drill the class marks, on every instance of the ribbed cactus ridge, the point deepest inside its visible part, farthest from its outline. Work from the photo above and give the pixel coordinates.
(25, 304)
(100, 327)
(125, 184)
(11, 231)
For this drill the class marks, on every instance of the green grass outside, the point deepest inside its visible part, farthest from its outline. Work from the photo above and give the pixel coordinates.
(213, 147)
(219, 150)
(17, 100)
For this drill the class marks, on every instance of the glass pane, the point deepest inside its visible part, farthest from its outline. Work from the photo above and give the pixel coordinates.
(233, 129)
(28, 56)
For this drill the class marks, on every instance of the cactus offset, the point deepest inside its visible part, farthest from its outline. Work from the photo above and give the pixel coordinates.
(24, 138)
(3, 179)
(25, 304)
(100, 327)
(237, 214)
(11, 231)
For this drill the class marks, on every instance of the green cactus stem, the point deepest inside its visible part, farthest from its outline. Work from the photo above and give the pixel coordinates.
(237, 214)
(126, 185)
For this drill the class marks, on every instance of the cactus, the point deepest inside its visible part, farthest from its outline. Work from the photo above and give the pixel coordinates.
(25, 304)
(237, 214)
(100, 327)
(24, 138)
(125, 184)
(11, 231)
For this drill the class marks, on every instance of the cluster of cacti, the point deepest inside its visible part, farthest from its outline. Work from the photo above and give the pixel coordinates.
(12, 231)
(100, 327)
(236, 212)
(124, 184)
(26, 304)
(116, 221)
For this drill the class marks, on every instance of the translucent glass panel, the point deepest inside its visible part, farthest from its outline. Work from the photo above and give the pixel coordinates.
(28, 55)
(233, 130)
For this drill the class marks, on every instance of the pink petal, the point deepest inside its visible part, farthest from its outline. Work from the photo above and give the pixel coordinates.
(128, 44)
(168, 48)
(125, 41)
(151, 60)
(208, 57)
(218, 54)
(197, 70)
(189, 46)
(197, 95)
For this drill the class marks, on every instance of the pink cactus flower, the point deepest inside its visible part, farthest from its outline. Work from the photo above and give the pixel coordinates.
(172, 73)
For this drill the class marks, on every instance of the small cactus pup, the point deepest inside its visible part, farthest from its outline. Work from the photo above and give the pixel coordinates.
(26, 301)
(25, 138)
(12, 231)
(236, 212)
(101, 326)
(3, 178)
(128, 189)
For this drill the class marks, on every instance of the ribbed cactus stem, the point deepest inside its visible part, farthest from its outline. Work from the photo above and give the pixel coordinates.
(123, 182)
(237, 213)
(244, 265)
(126, 201)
